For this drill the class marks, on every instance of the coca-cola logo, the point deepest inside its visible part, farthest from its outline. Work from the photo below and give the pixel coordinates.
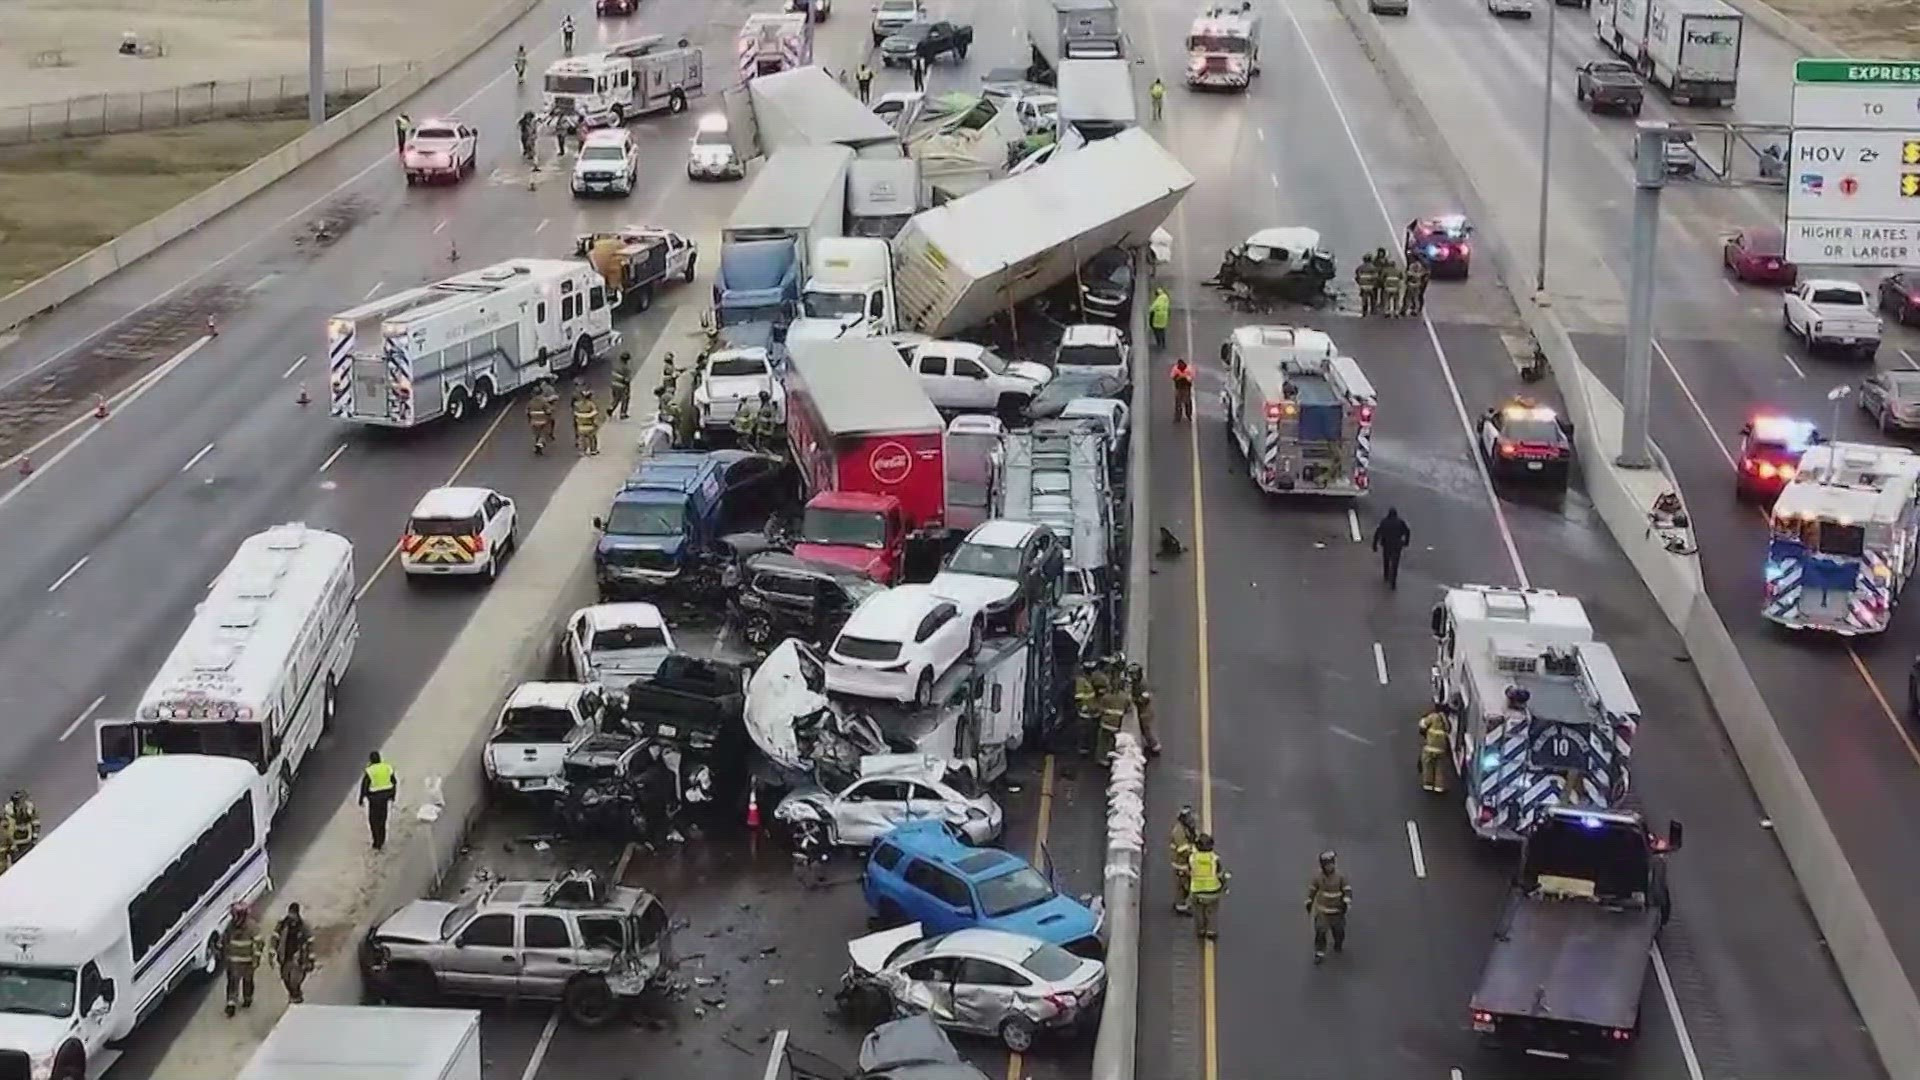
(890, 463)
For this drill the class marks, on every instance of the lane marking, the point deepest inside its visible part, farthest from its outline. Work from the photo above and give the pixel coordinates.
(1380, 663)
(333, 457)
(1345, 734)
(437, 228)
(295, 366)
(1275, 179)
(1790, 363)
(195, 459)
(380, 160)
(1260, 132)
(393, 550)
(1673, 1009)
(1904, 355)
(1454, 1074)
(71, 570)
(540, 1048)
(542, 225)
(1045, 821)
(1353, 524)
(1731, 287)
(374, 289)
(85, 715)
(1413, 845)
(262, 283)
(120, 400)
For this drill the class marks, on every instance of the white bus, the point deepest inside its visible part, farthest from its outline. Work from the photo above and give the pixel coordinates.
(121, 903)
(256, 673)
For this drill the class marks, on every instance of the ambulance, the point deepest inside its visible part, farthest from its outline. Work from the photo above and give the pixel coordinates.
(1299, 413)
(1538, 713)
(1842, 542)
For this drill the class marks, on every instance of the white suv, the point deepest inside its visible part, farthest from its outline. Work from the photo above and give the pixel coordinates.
(458, 532)
(960, 376)
(608, 163)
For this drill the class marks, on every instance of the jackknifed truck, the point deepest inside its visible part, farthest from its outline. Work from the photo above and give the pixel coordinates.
(1059, 30)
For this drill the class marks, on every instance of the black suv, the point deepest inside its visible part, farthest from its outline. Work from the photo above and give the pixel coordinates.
(782, 596)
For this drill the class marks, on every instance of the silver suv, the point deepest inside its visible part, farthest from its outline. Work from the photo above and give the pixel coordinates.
(574, 940)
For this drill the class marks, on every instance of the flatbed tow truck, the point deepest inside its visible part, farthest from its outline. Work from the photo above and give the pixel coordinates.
(1570, 955)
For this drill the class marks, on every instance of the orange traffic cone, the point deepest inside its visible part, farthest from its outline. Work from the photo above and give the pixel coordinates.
(99, 407)
(753, 807)
(453, 251)
(303, 399)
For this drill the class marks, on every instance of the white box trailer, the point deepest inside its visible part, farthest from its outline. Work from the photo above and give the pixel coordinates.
(1621, 25)
(957, 265)
(366, 1042)
(1059, 30)
(454, 348)
(804, 107)
(1096, 98)
(800, 195)
(1693, 50)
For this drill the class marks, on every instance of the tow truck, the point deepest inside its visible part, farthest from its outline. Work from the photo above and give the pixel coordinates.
(1521, 437)
(1570, 954)
(1770, 450)
(1844, 532)
(635, 259)
(1538, 713)
(1299, 413)
(1444, 243)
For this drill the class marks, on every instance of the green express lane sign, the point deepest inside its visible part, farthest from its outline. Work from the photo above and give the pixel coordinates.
(1883, 73)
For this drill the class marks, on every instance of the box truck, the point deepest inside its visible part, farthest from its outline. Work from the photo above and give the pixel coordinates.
(804, 107)
(359, 1042)
(1693, 50)
(798, 198)
(1060, 30)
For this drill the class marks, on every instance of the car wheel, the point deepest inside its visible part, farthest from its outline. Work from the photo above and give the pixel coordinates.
(688, 276)
(1635, 111)
(975, 638)
(1016, 1033)
(758, 631)
(923, 690)
(589, 1001)
(493, 568)
(617, 116)
(1885, 422)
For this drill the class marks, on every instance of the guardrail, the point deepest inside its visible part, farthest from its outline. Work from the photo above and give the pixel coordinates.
(193, 103)
(1849, 926)
(142, 240)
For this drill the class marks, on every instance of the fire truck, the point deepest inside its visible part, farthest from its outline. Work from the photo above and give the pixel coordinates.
(631, 78)
(1842, 546)
(1223, 46)
(1538, 713)
(1300, 413)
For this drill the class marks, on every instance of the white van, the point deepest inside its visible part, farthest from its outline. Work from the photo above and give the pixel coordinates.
(124, 901)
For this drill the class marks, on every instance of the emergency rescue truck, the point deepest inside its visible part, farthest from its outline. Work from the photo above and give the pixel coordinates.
(1300, 413)
(1223, 46)
(629, 79)
(456, 347)
(1844, 531)
(1538, 713)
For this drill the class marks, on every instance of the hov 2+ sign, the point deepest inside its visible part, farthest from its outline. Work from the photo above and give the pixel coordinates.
(1853, 178)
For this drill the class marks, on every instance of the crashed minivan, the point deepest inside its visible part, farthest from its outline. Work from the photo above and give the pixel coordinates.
(578, 941)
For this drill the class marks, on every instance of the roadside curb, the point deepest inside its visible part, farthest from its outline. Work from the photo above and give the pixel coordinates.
(37, 297)
(343, 887)
(1850, 928)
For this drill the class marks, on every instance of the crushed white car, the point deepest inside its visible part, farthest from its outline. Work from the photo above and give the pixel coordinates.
(893, 789)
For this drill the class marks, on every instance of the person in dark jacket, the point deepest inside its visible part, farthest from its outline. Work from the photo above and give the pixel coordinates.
(1390, 538)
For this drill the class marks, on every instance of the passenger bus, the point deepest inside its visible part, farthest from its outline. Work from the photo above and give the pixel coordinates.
(124, 901)
(257, 672)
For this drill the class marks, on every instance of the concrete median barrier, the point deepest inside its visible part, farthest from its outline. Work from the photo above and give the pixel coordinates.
(1850, 927)
(142, 240)
(342, 885)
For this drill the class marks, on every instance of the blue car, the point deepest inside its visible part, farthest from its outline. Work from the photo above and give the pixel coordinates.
(677, 505)
(920, 872)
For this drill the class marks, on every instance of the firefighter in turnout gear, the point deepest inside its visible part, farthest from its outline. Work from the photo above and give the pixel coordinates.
(1390, 281)
(1413, 301)
(1380, 261)
(241, 948)
(1186, 827)
(746, 416)
(663, 394)
(620, 388)
(1206, 882)
(1366, 281)
(1113, 716)
(1328, 898)
(1143, 708)
(21, 823)
(586, 422)
(766, 425)
(1182, 376)
(1435, 742)
(293, 952)
(540, 417)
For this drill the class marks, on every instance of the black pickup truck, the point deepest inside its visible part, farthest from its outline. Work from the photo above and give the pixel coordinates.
(1570, 956)
(927, 40)
(1609, 85)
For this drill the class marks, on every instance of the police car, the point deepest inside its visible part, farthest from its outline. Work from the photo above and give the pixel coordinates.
(1444, 243)
(1770, 449)
(1522, 438)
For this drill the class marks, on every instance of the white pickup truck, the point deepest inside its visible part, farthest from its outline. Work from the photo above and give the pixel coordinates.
(1823, 312)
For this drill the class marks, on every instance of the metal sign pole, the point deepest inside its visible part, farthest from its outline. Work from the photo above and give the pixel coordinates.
(1649, 176)
(316, 61)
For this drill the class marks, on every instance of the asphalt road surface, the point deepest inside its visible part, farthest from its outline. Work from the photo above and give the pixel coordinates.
(1304, 675)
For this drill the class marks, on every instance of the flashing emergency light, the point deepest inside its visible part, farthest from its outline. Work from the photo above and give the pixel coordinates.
(1366, 414)
(1489, 761)
(1589, 821)
(1528, 412)
(1282, 410)
(1786, 430)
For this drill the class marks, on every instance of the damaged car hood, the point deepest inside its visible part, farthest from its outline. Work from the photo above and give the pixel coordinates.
(793, 723)
(871, 953)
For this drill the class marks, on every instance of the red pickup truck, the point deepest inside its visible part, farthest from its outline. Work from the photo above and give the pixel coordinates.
(871, 449)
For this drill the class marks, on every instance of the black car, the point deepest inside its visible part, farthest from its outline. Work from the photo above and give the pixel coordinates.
(1106, 286)
(1522, 438)
(927, 40)
(1899, 296)
(782, 596)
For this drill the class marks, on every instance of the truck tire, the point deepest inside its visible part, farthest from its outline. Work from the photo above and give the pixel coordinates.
(688, 276)
(459, 406)
(482, 396)
(582, 353)
(72, 1064)
(677, 102)
(617, 116)
(589, 1001)
(642, 298)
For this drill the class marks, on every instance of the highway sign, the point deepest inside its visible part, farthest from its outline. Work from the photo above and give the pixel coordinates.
(1853, 169)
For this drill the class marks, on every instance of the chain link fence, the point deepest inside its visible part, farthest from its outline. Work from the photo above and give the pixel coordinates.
(105, 114)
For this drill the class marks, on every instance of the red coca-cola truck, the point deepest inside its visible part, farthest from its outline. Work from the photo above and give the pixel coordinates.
(871, 449)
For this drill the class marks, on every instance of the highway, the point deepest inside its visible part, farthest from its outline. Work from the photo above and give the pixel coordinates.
(1304, 675)
(1720, 357)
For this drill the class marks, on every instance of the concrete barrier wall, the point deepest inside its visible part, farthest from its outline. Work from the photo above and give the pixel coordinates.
(1852, 930)
(142, 240)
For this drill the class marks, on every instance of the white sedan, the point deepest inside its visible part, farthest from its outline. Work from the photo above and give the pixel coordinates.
(899, 643)
(893, 789)
(615, 644)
